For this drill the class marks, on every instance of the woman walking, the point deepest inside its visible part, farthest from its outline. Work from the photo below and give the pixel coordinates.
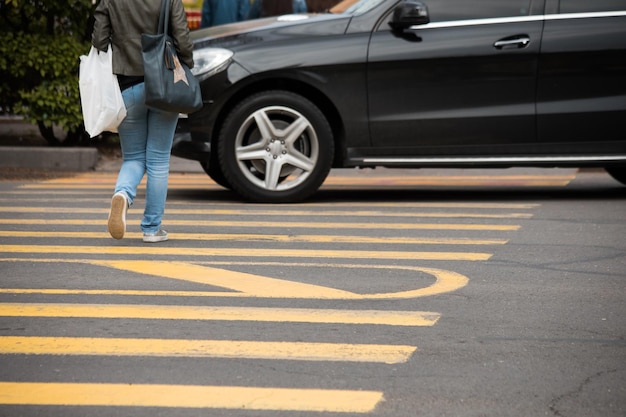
(146, 134)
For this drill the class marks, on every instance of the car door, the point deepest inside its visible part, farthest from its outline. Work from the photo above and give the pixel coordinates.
(582, 77)
(462, 84)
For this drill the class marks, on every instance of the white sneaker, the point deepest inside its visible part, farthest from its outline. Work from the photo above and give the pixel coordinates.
(158, 236)
(117, 215)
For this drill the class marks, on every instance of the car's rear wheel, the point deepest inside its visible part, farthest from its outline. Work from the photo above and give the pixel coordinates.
(276, 147)
(619, 173)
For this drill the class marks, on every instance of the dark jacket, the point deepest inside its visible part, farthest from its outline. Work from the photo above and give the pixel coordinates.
(121, 22)
(276, 7)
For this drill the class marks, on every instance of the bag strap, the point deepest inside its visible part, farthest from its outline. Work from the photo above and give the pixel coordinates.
(164, 17)
(170, 51)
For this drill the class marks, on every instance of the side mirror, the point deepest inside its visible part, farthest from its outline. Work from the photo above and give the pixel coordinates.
(409, 13)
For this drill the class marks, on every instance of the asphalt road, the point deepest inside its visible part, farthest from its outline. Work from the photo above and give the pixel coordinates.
(390, 293)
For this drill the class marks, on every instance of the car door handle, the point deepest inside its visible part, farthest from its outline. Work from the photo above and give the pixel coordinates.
(518, 41)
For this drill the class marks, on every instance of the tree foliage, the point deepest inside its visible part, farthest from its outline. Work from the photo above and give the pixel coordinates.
(40, 45)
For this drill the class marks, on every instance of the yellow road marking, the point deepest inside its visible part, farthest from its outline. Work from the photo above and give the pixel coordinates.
(254, 286)
(339, 174)
(106, 198)
(189, 396)
(260, 314)
(258, 286)
(109, 186)
(198, 181)
(267, 238)
(289, 213)
(388, 354)
(245, 252)
(157, 293)
(282, 225)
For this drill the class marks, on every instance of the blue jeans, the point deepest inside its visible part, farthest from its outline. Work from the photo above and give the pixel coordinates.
(146, 137)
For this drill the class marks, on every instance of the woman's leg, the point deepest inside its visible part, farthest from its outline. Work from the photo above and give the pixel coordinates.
(161, 128)
(133, 132)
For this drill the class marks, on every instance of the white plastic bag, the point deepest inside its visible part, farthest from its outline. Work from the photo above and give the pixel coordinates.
(100, 95)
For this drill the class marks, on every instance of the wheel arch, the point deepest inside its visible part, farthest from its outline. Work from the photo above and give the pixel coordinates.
(317, 97)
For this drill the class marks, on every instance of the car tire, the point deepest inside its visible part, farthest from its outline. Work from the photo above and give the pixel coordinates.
(215, 173)
(275, 147)
(618, 173)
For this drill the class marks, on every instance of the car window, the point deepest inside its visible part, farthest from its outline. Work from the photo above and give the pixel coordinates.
(587, 6)
(447, 10)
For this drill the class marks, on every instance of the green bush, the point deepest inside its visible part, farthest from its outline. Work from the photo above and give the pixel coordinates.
(40, 46)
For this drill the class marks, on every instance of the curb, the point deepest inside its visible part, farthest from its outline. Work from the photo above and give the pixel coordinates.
(39, 157)
(75, 159)
(36, 154)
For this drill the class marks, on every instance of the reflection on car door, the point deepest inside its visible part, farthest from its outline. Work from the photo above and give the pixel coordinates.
(582, 76)
(467, 79)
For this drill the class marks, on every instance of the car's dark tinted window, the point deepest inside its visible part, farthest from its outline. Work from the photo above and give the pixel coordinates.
(446, 10)
(586, 6)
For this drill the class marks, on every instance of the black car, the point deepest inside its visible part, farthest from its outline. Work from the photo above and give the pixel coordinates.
(404, 83)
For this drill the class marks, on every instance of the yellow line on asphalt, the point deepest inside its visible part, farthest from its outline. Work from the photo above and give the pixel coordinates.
(289, 213)
(342, 184)
(189, 396)
(253, 285)
(399, 204)
(63, 194)
(246, 285)
(96, 186)
(105, 178)
(340, 174)
(196, 181)
(283, 224)
(224, 294)
(245, 252)
(260, 286)
(267, 238)
(260, 314)
(303, 351)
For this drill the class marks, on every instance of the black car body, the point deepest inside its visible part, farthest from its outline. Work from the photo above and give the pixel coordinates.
(402, 83)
